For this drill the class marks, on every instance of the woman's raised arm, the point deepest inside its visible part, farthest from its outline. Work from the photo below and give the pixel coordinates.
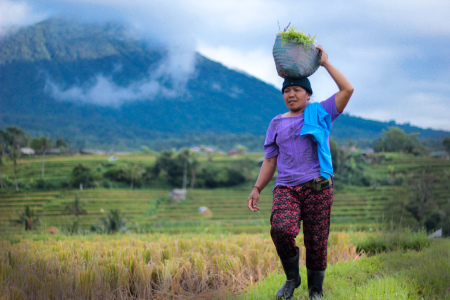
(345, 87)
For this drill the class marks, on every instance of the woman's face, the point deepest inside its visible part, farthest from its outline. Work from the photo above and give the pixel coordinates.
(296, 98)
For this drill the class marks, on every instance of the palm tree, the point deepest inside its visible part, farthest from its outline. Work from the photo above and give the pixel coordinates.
(45, 144)
(76, 207)
(190, 162)
(14, 137)
(28, 218)
(114, 221)
(133, 172)
(1, 164)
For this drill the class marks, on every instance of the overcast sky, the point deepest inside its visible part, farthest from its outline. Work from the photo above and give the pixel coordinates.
(396, 53)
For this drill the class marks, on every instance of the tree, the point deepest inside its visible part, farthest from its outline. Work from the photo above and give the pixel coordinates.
(14, 137)
(194, 167)
(145, 150)
(1, 163)
(169, 168)
(42, 144)
(61, 144)
(76, 207)
(28, 218)
(241, 149)
(190, 164)
(246, 166)
(114, 221)
(81, 176)
(446, 143)
(337, 156)
(421, 202)
(132, 173)
(396, 140)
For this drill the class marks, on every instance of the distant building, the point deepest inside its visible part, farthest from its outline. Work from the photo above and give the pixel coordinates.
(440, 154)
(27, 151)
(87, 151)
(177, 195)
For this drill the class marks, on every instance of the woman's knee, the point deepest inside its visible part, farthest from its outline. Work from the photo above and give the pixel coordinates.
(283, 232)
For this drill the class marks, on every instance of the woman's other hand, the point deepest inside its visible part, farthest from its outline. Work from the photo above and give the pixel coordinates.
(253, 200)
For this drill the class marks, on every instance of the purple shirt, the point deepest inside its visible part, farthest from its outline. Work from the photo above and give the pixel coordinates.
(297, 160)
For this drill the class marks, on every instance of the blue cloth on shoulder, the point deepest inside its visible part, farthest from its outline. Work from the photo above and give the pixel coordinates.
(317, 125)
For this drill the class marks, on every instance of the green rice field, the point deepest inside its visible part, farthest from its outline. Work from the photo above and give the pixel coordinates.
(149, 210)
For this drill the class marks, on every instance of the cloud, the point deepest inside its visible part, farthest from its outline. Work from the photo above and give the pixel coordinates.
(239, 60)
(103, 92)
(14, 14)
(168, 80)
(412, 17)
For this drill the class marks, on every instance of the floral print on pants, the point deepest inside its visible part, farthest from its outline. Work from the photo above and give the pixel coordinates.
(291, 205)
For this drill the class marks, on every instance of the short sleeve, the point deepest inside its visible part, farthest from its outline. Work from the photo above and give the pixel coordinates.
(270, 144)
(330, 107)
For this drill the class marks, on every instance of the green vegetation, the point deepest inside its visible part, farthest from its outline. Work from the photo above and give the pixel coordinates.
(291, 34)
(13, 138)
(400, 274)
(165, 248)
(212, 266)
(113, 222)
(371, 190)
(396, 140)
(27, 218)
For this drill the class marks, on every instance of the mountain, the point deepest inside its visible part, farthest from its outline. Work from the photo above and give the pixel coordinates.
(100, 86)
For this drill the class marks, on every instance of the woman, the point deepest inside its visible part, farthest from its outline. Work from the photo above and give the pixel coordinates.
(296, 195)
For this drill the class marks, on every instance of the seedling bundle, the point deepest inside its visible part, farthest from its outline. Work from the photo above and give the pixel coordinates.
(295, 54)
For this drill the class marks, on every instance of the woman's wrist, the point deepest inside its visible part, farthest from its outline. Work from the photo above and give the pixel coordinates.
(258, 188)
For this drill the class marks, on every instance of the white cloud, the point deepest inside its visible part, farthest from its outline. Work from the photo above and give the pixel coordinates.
(413, 17)
(176, 71)
(104, 92)
(259, 61)
(17, 13)
(426, 110)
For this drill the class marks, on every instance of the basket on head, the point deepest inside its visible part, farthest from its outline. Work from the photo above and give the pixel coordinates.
(293, 60)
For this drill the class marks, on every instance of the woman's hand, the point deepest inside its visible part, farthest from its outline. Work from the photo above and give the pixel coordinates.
(324, 56)
(268, 168)
(253, 200)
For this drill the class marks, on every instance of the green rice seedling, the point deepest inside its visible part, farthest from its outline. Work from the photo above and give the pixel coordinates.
(292, 34)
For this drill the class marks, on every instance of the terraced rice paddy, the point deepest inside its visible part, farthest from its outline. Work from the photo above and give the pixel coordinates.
(354, 207)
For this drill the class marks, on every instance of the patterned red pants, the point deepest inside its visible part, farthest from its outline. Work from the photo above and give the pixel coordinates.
(291, 205)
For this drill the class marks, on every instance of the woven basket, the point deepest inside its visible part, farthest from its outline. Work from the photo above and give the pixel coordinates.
(292, 60)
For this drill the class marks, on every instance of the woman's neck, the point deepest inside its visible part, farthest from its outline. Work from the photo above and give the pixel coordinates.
(293, 113)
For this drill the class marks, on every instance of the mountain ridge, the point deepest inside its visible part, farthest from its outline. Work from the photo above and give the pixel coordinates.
(84, 81)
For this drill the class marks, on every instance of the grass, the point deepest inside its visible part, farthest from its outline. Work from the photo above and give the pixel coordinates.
(213, 266)
(400, 274)
(156, 266)
(185, 254)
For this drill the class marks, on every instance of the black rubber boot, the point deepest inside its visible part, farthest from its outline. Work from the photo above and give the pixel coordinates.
(293, 280)
(315, 282)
